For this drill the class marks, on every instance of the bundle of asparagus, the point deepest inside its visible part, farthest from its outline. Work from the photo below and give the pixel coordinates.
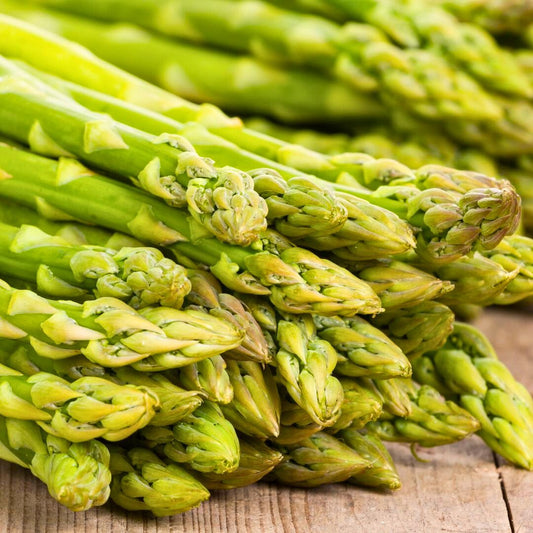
(189, 305)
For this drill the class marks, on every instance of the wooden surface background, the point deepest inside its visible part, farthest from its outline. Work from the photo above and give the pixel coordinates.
(461, 488)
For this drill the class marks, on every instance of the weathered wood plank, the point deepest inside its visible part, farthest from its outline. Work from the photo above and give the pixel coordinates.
(458, 490)
(512, 334)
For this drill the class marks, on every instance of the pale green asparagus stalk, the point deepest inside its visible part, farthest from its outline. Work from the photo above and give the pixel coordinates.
(467, 369)
(433, 421)
(357, 54)
(381, 472)
(256, 460)
(399, 284)
(110, 333)
(140, 276)
(77, 474)
(475, 278)
(362, 349)
(75, 233)
(515, 254)
(206, 293)
(296, 279)
(85, 409)
(255, 407)
(418, 329)
(208, 377)
(304, 365)
(205, 440)
(317, 460)
(144, 482)
(173, 402)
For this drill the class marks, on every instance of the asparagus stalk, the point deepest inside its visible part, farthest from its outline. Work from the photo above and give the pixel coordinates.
(110, 333)
(255, 407)
(206, 293)
(381, 472)
(317, 460)
(359, 55)
(296, 279)
(433, 421)
(418, 329)
(139, 276)
(360, 405)
(77, 474)
(76, 233)
(362, 349)
(143, 482)
(209, 377)
(256, 460)
(205, 440)
(467, 369)
(515, 254)
(85, 409)
(304, 365)
(399, 284)
(295, 423)
(174, 403)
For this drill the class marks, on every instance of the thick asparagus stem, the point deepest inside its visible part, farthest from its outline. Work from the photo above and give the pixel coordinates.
(467, 369)
(143, 482)
(139, 276)
(110, 333)
(85, 409)
(205, 440)
(77, 474)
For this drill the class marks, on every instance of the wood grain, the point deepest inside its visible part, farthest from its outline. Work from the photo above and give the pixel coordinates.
(458, 490)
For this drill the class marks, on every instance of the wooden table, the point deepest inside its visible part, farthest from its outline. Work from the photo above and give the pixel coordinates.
(461, 488)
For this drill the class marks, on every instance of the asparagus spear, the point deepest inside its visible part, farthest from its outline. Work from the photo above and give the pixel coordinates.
(255, 407)
(302, 281)
(304, 365)
(110, 333)
(209, 377)
(433, 421)
(77, 474)
(515, 254)
(399, 284)
(140, 276)
(467, 369)
(317, 460)
(360, 55)
(174, 403)
(256, 460)
(205, 440)
(418, 329)
(362, 349)
(143, 482)
(206, 293)
(75, 233)
(85, 409)
(381, 473)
